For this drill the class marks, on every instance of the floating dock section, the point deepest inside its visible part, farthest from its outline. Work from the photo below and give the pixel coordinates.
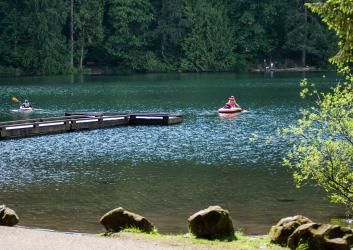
(82, 121)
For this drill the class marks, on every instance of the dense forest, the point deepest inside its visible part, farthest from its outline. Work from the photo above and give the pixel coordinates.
(64, 36)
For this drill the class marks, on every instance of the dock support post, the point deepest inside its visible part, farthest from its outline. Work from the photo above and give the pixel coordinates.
(2, 132)
(100, 120)
(132, 119)
(67, 124)
(73, 125)
(165, 120)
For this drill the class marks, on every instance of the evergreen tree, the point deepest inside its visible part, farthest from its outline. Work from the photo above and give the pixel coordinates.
(46, 49)
(307, 38)
(88, 26)
(127, 32)
(170, 30)
(209, 44)
(31, 37)
(50, 37)
(10, 33)
(258, 27)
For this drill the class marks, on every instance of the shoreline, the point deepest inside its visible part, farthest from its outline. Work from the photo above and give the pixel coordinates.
(19, 237)
(91, 72)
(294, 69)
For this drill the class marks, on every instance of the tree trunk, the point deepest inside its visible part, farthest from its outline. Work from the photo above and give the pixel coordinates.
(81, 57)
(305, 36)
(162, 50)
(72, 34)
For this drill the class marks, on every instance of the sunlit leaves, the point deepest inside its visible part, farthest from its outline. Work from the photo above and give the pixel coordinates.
(323, 145)
(323, 151)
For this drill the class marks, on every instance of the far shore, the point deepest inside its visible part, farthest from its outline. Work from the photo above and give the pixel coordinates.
(19, 238)
(102, 71)
(293, 69)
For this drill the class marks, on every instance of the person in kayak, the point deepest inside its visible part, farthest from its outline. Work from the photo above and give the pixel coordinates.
(232, 103)
(227, 106)
(26, 104)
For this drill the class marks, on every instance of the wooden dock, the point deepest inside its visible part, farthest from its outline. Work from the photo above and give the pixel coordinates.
(82, 121)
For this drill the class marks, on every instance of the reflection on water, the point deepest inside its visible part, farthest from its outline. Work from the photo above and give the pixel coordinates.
(67, 181)
(228, 116)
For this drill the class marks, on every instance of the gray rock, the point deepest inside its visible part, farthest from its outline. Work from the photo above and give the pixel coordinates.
(285, 227)
(8, 217)
(119, 218)
(322, 237)
(212, 223)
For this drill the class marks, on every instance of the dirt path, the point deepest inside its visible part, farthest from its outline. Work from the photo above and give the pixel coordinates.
(16, 238)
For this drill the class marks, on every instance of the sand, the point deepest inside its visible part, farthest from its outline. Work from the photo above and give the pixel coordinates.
(19, 238)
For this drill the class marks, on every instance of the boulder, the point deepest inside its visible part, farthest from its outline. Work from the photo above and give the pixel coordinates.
(119, 218)
(322, 237)
(212, 223)
(285, 227)
(8, 217)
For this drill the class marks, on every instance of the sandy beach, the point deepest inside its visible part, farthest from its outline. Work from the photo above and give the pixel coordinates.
(18, 238)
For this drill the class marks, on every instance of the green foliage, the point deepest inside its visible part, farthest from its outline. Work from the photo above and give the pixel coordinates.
(127, 32)
(323, 138)
(9, 34)
(306, 32)
(45, 46)
(323, 148)
(31, 39)
(242, 241)
(88, 25)
(190, 241)
(137, 230)
(257, 27)
(11, 71)
(163, 36)
(170, 30)
(338, 15)
(209, 44)
(151, 63)
(303, 246)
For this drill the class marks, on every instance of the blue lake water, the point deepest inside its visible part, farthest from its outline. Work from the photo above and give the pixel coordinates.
(67, 181)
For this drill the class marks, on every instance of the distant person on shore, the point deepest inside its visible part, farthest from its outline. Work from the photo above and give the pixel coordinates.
(26, 104)
(266, 67)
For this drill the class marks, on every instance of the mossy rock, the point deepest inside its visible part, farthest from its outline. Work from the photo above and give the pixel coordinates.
(212, 223)
(119, 219)
(321, 237)
(8, 217)
(285, 227)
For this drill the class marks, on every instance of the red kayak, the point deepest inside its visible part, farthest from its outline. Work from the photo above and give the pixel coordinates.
(229, 110)
(25, 109)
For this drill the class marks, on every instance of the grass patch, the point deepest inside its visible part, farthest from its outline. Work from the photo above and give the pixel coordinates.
(137, 230)
(129, 230)
(240, 241)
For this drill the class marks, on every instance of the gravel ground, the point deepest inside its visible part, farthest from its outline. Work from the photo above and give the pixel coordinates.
(17, 238)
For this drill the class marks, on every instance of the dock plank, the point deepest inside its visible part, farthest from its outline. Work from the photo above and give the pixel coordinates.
(82, 121)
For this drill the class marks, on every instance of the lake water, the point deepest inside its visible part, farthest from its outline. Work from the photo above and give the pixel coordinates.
(68, 181)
